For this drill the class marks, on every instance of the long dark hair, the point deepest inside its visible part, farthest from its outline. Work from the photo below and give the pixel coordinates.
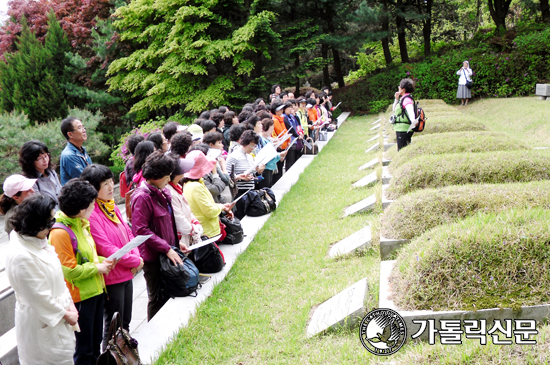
(143, 150)
(28, 154)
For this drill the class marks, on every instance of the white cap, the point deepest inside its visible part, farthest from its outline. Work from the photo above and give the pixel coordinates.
(16, 183)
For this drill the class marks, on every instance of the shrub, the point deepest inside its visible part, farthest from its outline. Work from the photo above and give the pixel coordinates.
(456, 142)
(475, 264)
(418, 212)
(469, 168)
(17, 129)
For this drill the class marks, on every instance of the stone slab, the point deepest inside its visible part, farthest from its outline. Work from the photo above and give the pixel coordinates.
(385, 162)
(342, 118)
(387, 146)
(8, 348)
(385, 201)
(375, 127)
(369, 165)
(386, 176)
(373, 147)
(358, 241)
(539, 313)
(368, 180)
(374, 138)
(389, 246)
(540, 148)
(543, 90)
(364, 205)
(376, 121)
(345, 309)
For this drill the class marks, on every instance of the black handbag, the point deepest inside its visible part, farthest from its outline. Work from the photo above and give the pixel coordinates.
(233, 229)
(177, 280)
(259, 202)
(121, 347)
(469, 83)
(208, 259)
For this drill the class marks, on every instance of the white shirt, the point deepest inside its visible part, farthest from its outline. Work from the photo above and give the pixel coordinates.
(464, 75)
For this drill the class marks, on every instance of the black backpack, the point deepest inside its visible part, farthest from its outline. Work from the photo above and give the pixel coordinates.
(259, 202)
(208, 259)
(233, 230)
(178, 280)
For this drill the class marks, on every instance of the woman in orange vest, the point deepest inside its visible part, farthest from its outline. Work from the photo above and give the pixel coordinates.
(279, 129)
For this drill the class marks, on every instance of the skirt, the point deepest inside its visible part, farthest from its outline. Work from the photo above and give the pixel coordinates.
(463, 92)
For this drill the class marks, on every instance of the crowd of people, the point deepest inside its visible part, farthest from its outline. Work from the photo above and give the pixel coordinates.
(63, 229)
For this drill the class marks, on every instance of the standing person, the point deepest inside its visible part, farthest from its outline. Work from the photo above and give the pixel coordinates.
(143, 150)
(152, 214)
(36, 162)
(161, 143)
(180, 144)
(302, 115)
(463, 92)
(16, 189)
(110, 233)
(275, 92)
(403, 108)
(83, 269)
(74, 157)
(44, 313)
(265, 139)
(132, 143)
(279, 129)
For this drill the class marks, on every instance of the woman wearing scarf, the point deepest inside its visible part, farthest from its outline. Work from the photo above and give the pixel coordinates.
(110, 234)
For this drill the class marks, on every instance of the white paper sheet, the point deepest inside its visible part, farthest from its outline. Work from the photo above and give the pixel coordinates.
(204, 243)
(266, 154)
(129, 247)
(214, 153)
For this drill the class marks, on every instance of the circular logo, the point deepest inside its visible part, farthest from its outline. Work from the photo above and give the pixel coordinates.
(383, 332)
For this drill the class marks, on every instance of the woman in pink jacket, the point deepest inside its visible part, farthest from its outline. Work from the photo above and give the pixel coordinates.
(110, 233)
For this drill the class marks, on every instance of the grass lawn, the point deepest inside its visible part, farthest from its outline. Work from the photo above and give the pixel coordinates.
(259, 313)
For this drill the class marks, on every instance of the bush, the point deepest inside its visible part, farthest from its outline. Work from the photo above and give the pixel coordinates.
(17, 129)
(456, 142)
(469, 168)
(418, 212)
(475, 264)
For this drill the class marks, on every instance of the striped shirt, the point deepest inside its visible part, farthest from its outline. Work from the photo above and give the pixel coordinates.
(241, 162)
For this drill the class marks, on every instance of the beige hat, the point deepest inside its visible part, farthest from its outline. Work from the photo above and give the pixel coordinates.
(16, 183)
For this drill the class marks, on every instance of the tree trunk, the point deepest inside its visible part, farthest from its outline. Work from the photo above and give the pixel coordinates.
(385, 19)
(400, 22)
(427, 29)
(545, 10)
(297, 64)
(338, 68)
(478, 13)
(499, 10)
(324, 54)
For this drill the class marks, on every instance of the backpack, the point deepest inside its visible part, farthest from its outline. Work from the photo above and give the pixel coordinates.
(258, 202)
(74, 241)
(178, 280)
(208, 259)
(233, 230)
(418, 114)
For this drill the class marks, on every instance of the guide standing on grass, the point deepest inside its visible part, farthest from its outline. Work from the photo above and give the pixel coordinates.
(463, 92)
(403, 108)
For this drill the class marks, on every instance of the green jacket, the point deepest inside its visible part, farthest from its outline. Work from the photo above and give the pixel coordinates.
(82, 277)
(400, 116)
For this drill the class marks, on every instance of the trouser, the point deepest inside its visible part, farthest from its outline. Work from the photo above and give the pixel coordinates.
(267, 182)
(290, 158)
(90, 321)
(151, 273)
(119, 299)
(279, 173)
(239, 207)
(403, 139)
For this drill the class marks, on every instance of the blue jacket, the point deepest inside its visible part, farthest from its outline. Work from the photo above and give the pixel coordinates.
(73, 162)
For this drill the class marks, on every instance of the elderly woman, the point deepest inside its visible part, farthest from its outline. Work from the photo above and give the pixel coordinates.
(403, 108)
(16, 189)
(45, 313)
(153, 214)
(161, 143)
(242, 162)
(200, 199)
(36, 163)
(83, 268)
(110, 234)
(465, 74)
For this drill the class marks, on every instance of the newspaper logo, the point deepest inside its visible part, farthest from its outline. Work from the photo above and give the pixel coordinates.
(383, 332)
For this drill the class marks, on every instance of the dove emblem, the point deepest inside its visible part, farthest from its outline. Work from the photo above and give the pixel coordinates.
(383, 332)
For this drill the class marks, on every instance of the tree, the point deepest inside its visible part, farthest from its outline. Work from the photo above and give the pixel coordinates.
(188, 56)
(29, 79)
(545, 10)
(499, 11)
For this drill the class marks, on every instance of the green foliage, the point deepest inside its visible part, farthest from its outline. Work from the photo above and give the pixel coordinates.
(30, 79)
(534, 43)
(469, 168)
(18, 129)
(477, 264)
(434, 207)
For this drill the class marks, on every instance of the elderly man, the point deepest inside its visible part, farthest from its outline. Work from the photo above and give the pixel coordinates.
(74, 158)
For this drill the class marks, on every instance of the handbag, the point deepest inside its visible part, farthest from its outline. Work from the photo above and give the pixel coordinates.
(233, 230)
(177, 280)
(314, 148)
(469, 83)
(121, 347)
(258, 202)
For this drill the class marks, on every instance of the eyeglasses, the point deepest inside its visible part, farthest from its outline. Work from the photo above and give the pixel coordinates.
(80, 128)
(43, 157)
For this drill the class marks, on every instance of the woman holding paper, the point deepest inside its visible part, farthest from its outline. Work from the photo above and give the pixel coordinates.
(279, 131)
(45, 310)
(110, 233)
(270, 166)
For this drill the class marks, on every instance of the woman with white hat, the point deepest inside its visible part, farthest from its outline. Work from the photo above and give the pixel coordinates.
(465, 76)
(16, 189)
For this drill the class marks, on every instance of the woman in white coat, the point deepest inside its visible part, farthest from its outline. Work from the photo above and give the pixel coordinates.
(465, 74)
(45, 316)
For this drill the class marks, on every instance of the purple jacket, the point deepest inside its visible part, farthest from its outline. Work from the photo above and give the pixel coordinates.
(108, 239)
(152, 214)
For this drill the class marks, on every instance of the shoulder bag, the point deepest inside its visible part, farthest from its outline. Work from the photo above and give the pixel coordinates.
(121, 347)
